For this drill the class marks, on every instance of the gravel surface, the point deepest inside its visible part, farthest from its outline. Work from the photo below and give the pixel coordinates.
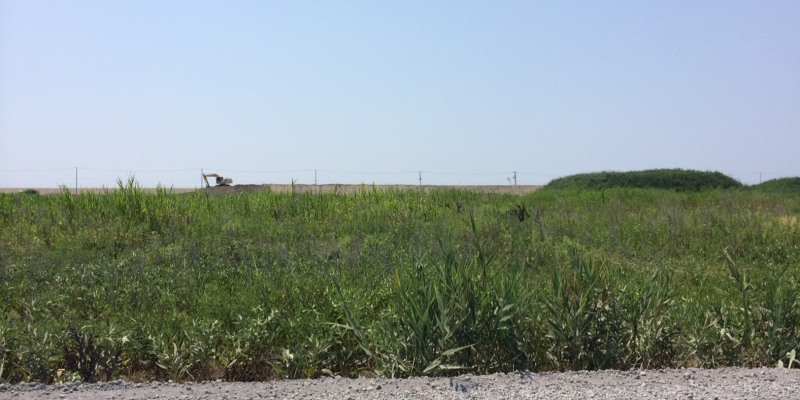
(728, 383)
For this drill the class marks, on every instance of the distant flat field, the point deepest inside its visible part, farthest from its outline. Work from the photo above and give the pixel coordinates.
(82, 190)
(348, 189)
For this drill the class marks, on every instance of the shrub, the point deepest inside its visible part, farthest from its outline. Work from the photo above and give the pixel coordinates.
(673, 179)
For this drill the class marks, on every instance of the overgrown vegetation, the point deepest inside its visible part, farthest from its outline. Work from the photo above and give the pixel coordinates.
(781, 185)
(258, 286)
(674, 179)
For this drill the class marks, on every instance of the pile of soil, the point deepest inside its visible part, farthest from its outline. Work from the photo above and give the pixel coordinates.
(351, 189)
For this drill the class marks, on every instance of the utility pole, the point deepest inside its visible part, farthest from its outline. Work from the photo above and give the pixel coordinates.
(202, 178)
(420, 178)
(515, 178)
(76, 180)
(315, 177)
(759, 177)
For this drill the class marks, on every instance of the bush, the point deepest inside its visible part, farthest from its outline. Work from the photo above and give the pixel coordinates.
(782, 185)
(673, 179)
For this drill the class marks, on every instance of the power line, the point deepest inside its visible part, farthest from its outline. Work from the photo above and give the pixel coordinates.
(535, 174)
(466, 174)
(259, 172)
(361, 172)
(368, 173)
(37, 170)
(139, 170)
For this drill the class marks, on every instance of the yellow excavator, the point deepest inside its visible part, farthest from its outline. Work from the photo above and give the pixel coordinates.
(220, 180)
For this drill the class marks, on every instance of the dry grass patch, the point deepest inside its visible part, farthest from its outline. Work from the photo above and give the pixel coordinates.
(788, 220)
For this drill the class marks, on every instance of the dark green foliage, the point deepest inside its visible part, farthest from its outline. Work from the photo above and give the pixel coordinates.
(782, 185)
(672, 179)
(257, 286)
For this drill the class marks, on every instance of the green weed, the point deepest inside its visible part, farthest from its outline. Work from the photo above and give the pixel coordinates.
(257, 286)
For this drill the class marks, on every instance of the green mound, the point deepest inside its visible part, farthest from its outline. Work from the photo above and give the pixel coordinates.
(673, 179)
(788, 185)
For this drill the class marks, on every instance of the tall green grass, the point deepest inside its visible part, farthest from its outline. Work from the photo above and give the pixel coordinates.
(258, 286)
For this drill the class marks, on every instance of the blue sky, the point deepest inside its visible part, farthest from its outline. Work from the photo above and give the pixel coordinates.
(465, 91)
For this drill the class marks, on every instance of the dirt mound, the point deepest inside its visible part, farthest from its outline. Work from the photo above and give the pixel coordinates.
(352, 189)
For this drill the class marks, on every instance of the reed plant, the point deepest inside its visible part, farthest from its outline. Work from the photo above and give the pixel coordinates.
(257, 286)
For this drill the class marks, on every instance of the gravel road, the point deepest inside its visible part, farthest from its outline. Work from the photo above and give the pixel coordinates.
(728, 383)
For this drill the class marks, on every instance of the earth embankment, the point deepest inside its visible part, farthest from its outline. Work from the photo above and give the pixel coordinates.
(351, 189)
(315, 189)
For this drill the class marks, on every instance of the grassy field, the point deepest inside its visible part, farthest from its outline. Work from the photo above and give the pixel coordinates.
(254, 286)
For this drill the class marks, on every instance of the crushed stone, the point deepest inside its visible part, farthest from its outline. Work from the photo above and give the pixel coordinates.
(695, 384)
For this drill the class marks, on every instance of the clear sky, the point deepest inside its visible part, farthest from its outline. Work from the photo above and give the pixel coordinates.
(465, 91)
